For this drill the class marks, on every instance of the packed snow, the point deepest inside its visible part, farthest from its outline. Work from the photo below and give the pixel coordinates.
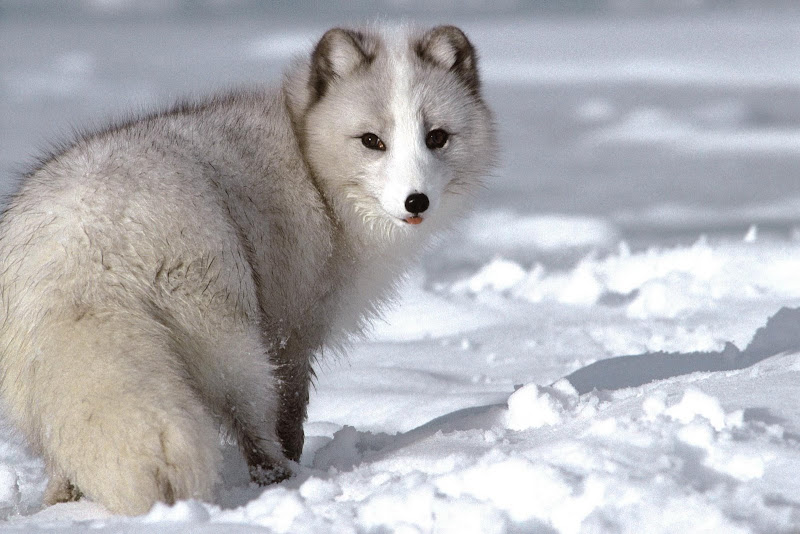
(609, 343)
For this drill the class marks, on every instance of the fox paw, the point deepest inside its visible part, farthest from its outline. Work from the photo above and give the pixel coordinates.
(266, 475)
(60, 489)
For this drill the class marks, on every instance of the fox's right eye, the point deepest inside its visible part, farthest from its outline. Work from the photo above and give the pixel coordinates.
(372, 141)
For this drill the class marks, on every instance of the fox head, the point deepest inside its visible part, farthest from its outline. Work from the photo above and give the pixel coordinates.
(393, 126)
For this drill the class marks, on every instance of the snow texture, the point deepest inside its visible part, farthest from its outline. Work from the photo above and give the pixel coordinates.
(610, 343)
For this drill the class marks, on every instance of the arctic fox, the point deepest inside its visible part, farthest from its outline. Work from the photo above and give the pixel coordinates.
(177, 274)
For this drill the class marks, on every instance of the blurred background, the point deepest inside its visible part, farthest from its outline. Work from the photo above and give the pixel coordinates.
(649, 121)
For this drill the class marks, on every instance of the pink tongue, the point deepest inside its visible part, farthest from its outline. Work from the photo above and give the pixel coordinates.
(413, 220)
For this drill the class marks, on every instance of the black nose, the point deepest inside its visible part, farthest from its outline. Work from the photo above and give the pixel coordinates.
(417, 202)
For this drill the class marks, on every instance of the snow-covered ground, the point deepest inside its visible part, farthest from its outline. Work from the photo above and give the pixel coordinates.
(610, 344)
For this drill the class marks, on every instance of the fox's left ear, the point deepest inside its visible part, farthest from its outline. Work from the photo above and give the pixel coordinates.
(448, 47)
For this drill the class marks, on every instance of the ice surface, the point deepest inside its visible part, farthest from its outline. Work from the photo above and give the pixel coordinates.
(578, 358)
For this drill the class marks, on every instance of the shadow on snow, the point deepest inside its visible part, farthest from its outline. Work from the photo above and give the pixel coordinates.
(781, 334)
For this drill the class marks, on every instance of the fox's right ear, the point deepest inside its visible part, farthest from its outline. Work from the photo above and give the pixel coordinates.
(337, 54)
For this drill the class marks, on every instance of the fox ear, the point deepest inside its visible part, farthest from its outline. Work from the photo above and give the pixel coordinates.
(337, 54)
(448, 47)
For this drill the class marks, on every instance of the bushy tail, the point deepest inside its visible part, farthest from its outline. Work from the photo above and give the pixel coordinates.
(117, 417)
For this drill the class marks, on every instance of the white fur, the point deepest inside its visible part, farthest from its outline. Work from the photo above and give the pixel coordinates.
(407, 168)
(182, 271)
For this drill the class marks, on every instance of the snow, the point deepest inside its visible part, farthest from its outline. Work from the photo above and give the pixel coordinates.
(659, 126)
(533, 406)
(654, 283)
(504, 230)
(610, 343)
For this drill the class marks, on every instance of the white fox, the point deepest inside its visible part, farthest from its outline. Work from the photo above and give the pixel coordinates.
(180, 271)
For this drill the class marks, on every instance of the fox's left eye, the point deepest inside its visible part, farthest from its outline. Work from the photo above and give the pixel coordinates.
(436, 138)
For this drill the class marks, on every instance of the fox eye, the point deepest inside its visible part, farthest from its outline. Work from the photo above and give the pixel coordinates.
(436, 138)
(372, 141)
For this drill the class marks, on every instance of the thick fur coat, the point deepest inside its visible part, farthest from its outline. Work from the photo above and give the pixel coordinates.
(179, 272)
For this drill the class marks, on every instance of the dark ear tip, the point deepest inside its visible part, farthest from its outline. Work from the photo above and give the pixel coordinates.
(450, 30)
(449, 47)
(328, 39)
(340, 35)
(334, 33)
(453, 34)
(338, 52)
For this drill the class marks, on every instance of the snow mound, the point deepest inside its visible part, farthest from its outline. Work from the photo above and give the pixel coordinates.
(656, 283)
(500, 275)
(533, 406)
(675, 459)
(697, 404)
